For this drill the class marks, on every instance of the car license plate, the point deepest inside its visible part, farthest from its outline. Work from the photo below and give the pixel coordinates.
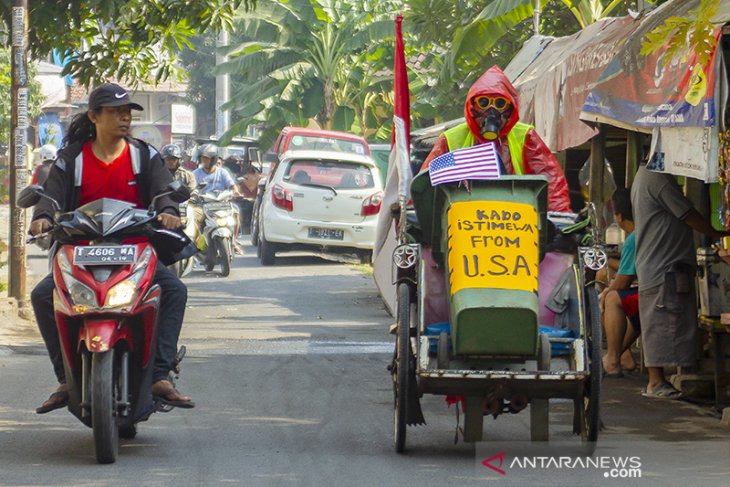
(326, 233)
(105, 255)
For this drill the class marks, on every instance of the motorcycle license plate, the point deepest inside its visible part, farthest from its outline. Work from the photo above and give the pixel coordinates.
(105, 255)
(223, 205)
(326, 233)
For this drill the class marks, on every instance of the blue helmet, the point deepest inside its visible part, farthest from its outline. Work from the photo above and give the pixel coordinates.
(171, 150)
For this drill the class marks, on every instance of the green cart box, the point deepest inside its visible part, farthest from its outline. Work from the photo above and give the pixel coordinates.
(490, 238)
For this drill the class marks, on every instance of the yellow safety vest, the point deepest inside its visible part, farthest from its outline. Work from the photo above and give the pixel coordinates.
(461, 136)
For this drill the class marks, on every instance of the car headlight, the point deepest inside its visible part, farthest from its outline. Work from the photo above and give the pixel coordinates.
(122, 294)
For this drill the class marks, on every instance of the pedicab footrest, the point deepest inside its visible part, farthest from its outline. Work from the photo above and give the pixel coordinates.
(501, 374)
(561, 341)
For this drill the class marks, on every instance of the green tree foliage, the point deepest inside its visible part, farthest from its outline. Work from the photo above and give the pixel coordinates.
(683, 35)
(309, 59)
(35, 99)
(134, 40)
(469, 36)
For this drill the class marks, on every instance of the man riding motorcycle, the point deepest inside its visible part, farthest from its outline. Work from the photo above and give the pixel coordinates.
(492, 114)
(99, 159)
(216, 178)
(47, 154)
(172, 155)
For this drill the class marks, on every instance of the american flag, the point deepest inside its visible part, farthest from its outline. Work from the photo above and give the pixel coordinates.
(477, 162)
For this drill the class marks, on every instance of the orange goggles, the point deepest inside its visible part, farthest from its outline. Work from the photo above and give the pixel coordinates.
(483, 102)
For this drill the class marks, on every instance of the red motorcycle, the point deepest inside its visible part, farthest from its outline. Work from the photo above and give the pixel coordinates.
(106, 308)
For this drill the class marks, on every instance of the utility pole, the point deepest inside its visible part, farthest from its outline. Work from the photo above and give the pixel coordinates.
(222, 89)
(17, 149)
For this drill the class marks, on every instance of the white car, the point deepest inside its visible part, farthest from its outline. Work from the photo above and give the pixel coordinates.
(320, 199)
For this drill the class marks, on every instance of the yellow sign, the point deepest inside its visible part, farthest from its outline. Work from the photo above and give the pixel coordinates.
(697, 86)
(493, 244)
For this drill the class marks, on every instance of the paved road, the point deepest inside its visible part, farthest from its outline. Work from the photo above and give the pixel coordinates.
(288, 367)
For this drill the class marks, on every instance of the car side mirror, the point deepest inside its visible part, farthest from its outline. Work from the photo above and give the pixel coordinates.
(271, 157)
(30, 196)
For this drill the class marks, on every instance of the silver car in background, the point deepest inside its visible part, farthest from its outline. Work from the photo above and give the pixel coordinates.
(320, 200)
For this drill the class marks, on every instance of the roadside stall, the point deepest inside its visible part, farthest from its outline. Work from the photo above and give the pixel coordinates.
(682, 103)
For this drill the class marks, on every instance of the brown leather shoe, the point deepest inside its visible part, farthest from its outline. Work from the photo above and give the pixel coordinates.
(165, 392)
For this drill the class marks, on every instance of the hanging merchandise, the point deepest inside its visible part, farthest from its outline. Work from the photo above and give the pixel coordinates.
(609, 184)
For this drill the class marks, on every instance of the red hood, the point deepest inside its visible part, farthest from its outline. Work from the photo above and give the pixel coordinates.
(492, 82)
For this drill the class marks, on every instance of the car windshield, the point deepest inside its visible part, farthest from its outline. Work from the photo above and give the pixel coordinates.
(334, 174)
(314, 142)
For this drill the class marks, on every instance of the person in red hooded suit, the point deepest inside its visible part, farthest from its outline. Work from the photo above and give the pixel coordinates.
(492, 114)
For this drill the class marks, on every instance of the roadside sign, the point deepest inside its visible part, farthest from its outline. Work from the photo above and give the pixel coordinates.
(182, 118)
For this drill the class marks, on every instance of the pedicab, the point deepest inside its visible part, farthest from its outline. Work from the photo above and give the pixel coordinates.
(490, 237)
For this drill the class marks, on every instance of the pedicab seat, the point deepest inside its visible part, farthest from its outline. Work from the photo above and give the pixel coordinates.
(490, 314)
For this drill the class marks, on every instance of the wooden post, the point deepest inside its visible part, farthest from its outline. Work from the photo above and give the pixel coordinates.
(595, 180)
(633, 156)
(18, 150)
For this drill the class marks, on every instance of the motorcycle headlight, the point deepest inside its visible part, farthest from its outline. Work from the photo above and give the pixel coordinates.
(122, 294)
(82, 296)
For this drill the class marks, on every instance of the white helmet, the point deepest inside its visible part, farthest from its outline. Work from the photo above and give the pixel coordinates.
(47, 152)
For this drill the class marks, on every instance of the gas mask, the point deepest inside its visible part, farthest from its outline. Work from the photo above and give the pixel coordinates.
(490, 112)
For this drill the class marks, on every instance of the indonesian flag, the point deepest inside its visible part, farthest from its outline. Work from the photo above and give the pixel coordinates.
(401, 139)
(398, 181)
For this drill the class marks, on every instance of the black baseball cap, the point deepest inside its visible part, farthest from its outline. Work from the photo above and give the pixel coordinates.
(111, 95)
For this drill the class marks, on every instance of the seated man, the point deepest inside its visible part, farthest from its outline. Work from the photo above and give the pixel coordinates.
(620, 301)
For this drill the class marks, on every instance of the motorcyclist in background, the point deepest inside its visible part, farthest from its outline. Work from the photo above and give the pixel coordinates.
(172, 155)
(47, 154)
(216, 178)
(492, 114)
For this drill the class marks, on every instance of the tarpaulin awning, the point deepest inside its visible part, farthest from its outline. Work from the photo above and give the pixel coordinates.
(639, 92)
(553, 87)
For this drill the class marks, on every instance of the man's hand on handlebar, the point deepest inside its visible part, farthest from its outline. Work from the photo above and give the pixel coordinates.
(42, 225)
(168, 221)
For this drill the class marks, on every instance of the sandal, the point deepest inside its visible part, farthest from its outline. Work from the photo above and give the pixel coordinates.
(57, 400)
(663, 391)
(164, 391)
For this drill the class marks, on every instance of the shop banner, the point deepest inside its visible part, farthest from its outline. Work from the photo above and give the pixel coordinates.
(685, 151)
(644, 92)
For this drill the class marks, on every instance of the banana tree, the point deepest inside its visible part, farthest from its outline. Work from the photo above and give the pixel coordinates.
(473, 41)
(296, 56)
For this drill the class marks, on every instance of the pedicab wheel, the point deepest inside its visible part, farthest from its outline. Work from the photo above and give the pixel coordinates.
(402, 363)
(540, 408)
(590, 419)
(103, 407)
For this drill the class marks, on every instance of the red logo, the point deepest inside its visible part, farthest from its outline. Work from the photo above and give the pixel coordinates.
(487, 463)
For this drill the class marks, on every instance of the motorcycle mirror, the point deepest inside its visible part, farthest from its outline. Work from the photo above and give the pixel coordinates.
(30, 196)
(178, 191)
